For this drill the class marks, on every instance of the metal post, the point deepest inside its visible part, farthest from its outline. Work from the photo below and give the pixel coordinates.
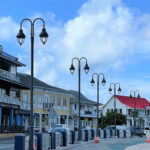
(115, 106)
(97, 104)
(31, 96)
(79, 70)
(134, 109)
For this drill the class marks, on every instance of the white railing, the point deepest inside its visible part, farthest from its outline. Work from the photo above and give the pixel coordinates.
(14, 100)
(8, 75)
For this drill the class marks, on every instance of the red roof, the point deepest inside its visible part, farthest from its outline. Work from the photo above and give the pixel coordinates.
(128, 101)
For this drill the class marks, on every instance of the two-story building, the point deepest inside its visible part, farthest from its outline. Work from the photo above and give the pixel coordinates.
(88, 111)
(125, 105)
(45, 98)
(12, 110)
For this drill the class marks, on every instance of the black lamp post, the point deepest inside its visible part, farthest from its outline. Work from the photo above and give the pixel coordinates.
(72, 69)
(138, 96)
(103, 83)
(21, 37)
(119, 91)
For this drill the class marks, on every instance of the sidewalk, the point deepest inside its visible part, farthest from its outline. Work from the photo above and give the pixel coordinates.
(145, 146)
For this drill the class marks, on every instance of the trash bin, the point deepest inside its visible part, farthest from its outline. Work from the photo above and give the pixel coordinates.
(19, 142)
(111, 133)
(53, 140)
(39, 140)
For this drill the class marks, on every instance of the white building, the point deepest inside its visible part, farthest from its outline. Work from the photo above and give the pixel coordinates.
(125, 105)
(88, 111)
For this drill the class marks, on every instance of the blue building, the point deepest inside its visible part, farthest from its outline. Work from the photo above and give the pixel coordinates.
(12, 110)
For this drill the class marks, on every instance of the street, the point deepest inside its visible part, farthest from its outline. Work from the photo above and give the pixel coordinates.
(110, 144)
(7, 144)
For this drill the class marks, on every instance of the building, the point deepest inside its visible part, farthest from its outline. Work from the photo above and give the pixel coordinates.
(125, 105)
(88, 111)
(12, 110)
(45, 99)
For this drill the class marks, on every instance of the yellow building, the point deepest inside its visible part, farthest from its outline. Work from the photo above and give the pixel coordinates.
(45, 97)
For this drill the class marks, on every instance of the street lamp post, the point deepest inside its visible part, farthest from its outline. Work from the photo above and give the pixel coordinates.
(138, 96)
(21, 37)
(72, 69)
(119, 91)
(92, 83)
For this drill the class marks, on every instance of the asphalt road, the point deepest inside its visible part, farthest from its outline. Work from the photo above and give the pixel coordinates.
(6, 143)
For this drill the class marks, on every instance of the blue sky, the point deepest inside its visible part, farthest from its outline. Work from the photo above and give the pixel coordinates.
(113, 35)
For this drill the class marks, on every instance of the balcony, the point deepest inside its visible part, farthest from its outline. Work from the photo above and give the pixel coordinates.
(47, 106)
(8, 75)
(14, 101)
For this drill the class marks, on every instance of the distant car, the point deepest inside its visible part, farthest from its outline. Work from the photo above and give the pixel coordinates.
(146, 130)
(59, 130)
(136, 131)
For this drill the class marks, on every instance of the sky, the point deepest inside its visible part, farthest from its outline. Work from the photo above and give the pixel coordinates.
(114, 36)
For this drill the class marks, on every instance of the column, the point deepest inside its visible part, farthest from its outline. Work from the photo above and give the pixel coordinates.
(18, 119)
(22, 119)
(59, 119)
(12, 117)
(40, 115)
(0, 116)
(67, 122)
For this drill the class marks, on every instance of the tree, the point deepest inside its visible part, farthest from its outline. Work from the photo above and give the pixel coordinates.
(109, 119)
(140, 121)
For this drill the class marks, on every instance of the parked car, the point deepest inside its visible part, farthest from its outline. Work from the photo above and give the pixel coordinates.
(109, 128)
(136, 131)
(146, 130)
(59, 127)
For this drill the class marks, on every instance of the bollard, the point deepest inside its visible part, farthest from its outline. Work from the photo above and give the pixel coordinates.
(92, 134)
(99, 133)
(118, 133)
(19, 142)
(53, 140)
(39, 141)
(73, 136)
(111, 133)
(105, 132)
(124, 133)
(86, 135)
(64, 134)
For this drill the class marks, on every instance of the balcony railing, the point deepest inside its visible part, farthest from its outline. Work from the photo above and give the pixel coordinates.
(8, 75)
(14, 100)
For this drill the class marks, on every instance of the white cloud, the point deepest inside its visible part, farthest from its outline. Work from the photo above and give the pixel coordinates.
(8, 28)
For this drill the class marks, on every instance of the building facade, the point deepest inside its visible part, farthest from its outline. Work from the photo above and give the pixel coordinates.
(125, 105)
(12, 110)
(45, 98)
(88, 111)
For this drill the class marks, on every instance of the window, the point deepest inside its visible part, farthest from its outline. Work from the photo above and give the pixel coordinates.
(75, 106)
(46, 99)
(111, 110)
(25, 97)
(121, 111)
(107, 110)
(39, 99)
(58, 101)
(64, 102)
(53, 100)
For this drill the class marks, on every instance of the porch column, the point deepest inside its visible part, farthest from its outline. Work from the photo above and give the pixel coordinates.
(0, 116)
(40, 122)
(59, 119)
(18, 119)
(67, 121)
(12, 117)
(22, 118)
